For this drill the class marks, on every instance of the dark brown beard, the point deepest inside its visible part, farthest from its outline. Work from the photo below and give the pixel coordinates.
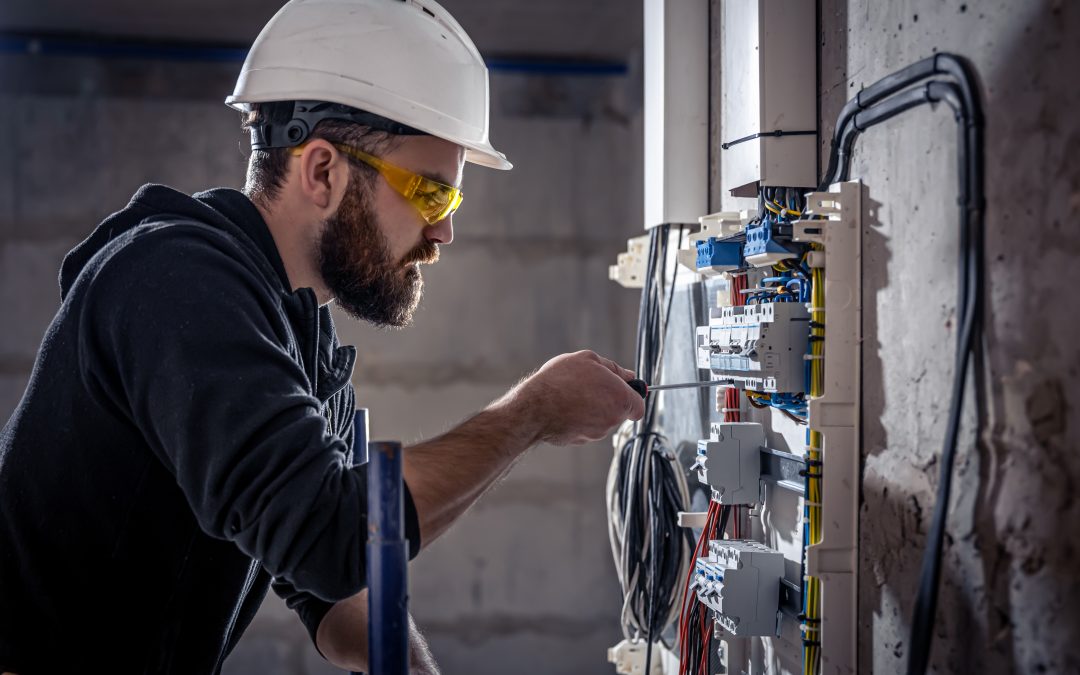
(357, 266)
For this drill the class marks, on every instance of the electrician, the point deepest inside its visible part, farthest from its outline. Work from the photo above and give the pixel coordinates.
(184, 441)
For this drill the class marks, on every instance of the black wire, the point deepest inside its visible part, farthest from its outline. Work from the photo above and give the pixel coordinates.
(872, 106)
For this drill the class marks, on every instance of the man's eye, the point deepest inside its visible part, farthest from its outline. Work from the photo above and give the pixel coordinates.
(432, 197)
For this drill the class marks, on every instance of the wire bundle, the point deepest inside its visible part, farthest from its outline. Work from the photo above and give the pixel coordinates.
(738, 284)
(694, 623)
(646, 486)
(811, 613)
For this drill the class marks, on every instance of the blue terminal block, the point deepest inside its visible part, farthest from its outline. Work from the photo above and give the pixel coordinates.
(760, 241)
(716, 254)
(763, 246)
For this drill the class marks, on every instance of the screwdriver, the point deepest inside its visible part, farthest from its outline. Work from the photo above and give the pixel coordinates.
(640, 387)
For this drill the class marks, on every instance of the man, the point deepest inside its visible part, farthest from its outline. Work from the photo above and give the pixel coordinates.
(186, 432)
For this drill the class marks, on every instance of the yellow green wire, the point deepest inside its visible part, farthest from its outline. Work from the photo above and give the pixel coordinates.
(790, 211)
(812, 628)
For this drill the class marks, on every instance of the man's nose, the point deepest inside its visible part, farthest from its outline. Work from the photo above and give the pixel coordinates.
(441, 232)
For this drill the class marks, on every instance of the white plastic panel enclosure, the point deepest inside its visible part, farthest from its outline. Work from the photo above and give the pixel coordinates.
(676, 111)
(768, 84)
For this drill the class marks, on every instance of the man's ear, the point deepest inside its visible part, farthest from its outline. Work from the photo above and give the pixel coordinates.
(323, 175)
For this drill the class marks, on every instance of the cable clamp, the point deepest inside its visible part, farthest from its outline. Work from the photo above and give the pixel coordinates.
(813, 357)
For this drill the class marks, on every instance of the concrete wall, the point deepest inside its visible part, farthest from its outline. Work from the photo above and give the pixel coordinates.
(526, 581)
(1010, 593)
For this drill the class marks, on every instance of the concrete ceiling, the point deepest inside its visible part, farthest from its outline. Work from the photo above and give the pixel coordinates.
(607, 29)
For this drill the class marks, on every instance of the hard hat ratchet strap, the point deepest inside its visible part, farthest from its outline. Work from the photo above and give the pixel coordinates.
(307, 114)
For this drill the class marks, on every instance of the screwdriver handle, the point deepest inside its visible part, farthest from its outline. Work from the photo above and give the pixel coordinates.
(639, 386)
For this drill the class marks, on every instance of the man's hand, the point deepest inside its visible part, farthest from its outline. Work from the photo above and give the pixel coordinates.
(578, 398)
(343, 638)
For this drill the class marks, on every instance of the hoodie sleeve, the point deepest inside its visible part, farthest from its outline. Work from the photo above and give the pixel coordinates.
(187, 338)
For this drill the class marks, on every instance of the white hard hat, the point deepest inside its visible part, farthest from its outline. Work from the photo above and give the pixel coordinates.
(408, 61)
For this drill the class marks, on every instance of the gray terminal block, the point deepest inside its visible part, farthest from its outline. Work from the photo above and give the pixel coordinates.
(739, 580)
(760, 347)
(729, 461)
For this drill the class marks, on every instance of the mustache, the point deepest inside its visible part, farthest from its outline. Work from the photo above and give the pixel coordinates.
(426, 253)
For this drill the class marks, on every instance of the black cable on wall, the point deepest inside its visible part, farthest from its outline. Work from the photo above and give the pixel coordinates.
(883, 100)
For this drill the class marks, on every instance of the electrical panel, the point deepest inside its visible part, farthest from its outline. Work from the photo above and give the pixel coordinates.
(774, 329)
(759, 347)
(780, 345)
(739, 580)
(729, 462)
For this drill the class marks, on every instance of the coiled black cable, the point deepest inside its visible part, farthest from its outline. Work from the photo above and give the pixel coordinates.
(653, 551)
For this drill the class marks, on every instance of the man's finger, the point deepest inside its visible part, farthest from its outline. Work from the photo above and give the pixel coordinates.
(617, 369)
(637, 408)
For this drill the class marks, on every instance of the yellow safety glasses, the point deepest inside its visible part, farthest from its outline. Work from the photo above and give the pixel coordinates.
(434, 200)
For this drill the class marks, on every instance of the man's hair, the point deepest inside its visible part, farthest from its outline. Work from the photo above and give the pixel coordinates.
(267, 168)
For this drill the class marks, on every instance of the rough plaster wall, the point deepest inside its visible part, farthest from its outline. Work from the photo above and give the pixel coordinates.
(525, 582)
(1009, 592)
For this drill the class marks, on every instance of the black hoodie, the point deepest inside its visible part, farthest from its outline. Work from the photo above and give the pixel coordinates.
(186, 433)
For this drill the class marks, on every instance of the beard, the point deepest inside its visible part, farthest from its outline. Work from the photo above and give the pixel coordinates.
(359, 269)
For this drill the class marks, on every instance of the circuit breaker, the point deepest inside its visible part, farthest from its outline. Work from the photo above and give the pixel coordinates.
(739, 580)
(759, 347)
(729, 462)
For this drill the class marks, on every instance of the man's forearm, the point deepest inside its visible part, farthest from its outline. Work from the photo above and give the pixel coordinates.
(343, 638)
(447, 474)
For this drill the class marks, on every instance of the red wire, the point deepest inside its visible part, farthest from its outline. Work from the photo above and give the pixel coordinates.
(704, 665)
(684, 624)
(732, 399)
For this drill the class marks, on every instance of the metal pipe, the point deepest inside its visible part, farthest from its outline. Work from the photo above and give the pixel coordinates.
(360, 446)
(91, 46)
(387, 559)
(360, 437)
